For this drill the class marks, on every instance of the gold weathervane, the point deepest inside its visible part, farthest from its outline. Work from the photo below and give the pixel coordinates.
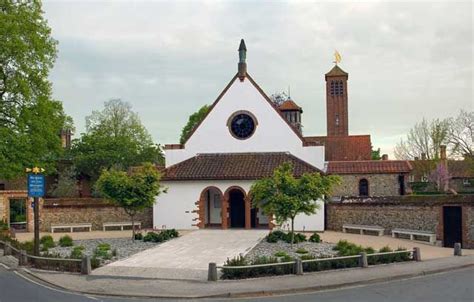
(337, 57)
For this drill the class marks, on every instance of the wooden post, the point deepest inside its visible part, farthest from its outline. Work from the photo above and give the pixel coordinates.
(212, 272)
(37, 233)
(416, 254)
(7, 250)
(86, 265)
(457, 249)
(298, 267)
(363, 260)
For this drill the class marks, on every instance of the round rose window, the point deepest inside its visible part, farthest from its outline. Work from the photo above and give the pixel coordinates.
(242, 125)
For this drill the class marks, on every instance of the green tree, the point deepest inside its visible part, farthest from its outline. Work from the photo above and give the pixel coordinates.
(375, 154)
(66, 185)
(285, 196)
(115, 137)
(193, 121)
(30, 121)
(133, 192)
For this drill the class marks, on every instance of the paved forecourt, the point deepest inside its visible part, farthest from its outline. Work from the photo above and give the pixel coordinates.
(186, 257)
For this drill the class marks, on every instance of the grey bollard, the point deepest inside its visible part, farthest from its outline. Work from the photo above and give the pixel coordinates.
(7, 250)
(363, 260)
(298, 267)
(86, 265)
(212, 272)
(416, 254)
(457, 249)
(23, 258)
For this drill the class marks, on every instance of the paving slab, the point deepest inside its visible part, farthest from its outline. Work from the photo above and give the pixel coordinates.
(186, 257)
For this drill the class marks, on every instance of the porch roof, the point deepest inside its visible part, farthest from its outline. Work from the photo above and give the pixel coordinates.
(243, 166)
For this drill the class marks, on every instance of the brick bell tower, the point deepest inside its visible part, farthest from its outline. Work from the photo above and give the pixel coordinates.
(336, 102)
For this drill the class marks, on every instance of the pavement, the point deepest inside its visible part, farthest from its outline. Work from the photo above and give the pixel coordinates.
(447, 286)
(156, 288)
(186, 257)
(428, 251)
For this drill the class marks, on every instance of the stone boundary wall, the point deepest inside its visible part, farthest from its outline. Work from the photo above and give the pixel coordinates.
(409, 212)
(84, 210)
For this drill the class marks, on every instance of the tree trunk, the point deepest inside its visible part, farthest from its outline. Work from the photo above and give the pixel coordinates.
(133, 227)
(292, 230)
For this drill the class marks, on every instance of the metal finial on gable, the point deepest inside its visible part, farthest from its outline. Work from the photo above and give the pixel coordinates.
(242, 66)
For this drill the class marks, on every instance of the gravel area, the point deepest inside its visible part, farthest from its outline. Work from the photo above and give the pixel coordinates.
(125, 247)
(264, 248)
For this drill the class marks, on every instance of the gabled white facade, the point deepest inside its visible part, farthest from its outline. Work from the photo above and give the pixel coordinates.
(211, 202)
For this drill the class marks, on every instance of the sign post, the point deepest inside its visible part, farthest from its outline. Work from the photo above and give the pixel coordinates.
(36, 188)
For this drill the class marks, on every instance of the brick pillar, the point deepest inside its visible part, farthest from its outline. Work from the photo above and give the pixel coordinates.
(224, 210)
(248, 215)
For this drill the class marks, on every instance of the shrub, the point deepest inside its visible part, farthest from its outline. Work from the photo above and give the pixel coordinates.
(274, 236)
(280, 254)
(28, 246)
(77, 252)
(102, 251)
(315, 238)
(65, 241)
(150, 237)
(307, 257)
(47, 242)
(301, 251)
(95, 262)
(138, 236)
(257, 271)
(346, 248)
(160, 237)
(385, 249)
(297, 238)
(3, 225)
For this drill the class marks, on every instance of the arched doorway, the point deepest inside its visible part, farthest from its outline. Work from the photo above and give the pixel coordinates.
(210, 208)
(363, 187)
(237, 208)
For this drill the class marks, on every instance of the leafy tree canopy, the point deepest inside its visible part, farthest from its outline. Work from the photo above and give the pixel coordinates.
(285, 196)
(193, 121)
(375, 154)
(30, 121)
(133, 192)
(115, 137)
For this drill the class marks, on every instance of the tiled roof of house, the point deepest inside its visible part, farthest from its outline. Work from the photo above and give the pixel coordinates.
(289, 105)
(339, 148)
(368, 167)
(235, 166)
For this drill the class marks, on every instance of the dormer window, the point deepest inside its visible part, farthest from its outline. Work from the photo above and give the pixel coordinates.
(336, 88)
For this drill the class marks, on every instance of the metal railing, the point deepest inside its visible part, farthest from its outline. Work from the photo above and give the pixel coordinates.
(82, 266)
(299, 266)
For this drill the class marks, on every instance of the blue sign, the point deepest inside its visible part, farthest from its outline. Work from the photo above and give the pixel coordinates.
(36, 185)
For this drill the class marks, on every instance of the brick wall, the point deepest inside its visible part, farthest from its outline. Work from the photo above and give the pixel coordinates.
(410, 212)
(379, 185)
(93, 210)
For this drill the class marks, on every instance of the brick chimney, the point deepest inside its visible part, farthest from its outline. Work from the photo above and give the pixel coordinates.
(384, 156)
(66, 138)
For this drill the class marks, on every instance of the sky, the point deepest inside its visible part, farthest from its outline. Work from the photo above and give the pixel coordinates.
(406, 60)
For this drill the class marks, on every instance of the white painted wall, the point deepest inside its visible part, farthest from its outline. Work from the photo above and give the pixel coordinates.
(272, 133)
(174, 209)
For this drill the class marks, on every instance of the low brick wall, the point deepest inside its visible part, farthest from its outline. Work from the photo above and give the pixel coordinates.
(409, 212)
(83, 210)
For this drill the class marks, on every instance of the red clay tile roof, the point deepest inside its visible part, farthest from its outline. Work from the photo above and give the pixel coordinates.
(352, 147)
(461, 168)
(368, 167)
(289, 105)
(235, 166)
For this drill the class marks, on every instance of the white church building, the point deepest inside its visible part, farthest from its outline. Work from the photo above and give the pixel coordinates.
(244, 137)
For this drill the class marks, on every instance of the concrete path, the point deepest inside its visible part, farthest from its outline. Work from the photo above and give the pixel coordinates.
(186, 257)
(428, 251)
